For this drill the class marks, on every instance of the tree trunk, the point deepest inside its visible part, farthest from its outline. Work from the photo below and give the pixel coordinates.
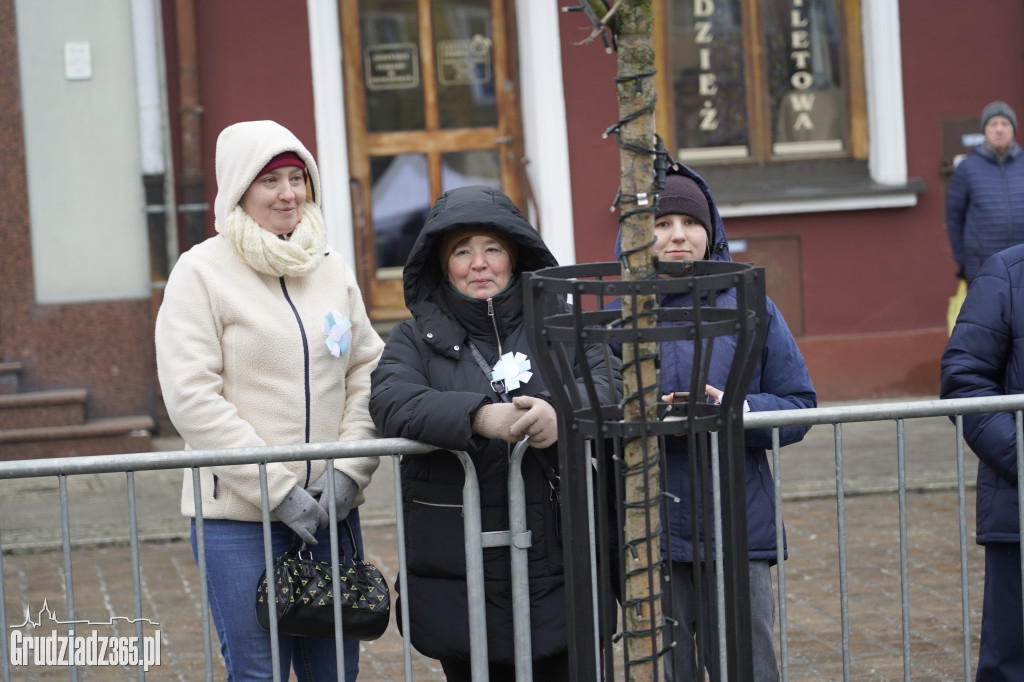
(635, 87)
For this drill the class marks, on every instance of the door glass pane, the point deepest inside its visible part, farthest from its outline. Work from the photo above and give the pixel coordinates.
(459, 169)
(465, 65)
(392, 78)
(401, 200)
(804, 76)
(708, 79)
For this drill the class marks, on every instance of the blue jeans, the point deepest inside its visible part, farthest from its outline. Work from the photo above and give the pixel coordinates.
(234, 563)
(681, 664)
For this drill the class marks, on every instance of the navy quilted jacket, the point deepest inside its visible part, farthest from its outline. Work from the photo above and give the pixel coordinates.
(780, 382)
(985, 356)
(985, 207)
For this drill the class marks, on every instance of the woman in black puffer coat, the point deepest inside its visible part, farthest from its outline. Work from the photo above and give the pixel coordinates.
(462, 284)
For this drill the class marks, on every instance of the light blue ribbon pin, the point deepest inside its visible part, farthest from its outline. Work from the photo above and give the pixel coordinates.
(338, 330)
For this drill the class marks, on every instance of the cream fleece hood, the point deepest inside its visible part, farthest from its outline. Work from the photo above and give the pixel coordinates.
(245, 148)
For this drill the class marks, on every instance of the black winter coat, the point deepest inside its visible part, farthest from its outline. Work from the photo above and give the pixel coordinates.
(428, 387)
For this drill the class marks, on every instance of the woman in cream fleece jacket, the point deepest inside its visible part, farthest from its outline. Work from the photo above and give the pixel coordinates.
(263, 339)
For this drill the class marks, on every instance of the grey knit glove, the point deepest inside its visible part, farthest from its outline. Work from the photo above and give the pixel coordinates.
(539, 422)
(300, 512)
(495, 420)
(345, 490)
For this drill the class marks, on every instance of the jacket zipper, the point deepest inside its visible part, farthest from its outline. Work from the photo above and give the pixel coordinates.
(494, 323)
(497, 338)
(305, 360)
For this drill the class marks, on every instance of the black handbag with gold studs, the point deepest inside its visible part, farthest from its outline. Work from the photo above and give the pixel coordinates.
(305, 596)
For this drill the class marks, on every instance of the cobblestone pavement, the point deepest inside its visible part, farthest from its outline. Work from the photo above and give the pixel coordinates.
(34, 567)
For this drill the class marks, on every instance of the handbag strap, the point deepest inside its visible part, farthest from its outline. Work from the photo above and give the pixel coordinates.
(355, 548)
(356, 556)
(549, 471)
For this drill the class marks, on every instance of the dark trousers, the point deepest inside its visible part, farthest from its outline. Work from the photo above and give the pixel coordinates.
(554, 669)
(681, 665)
(1001, 654)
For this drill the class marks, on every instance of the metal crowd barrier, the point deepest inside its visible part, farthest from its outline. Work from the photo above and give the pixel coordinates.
(837, 416)
(517, 538)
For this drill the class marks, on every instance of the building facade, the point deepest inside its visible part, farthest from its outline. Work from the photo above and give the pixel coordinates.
(826, 129)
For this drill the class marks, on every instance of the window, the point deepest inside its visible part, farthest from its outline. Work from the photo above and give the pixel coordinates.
(786, 106)
(762, 81)
(431, 104)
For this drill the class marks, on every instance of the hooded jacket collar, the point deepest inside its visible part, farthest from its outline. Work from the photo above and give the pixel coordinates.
(243, 149)
(445, 315)
(486, 318)
(719, 243)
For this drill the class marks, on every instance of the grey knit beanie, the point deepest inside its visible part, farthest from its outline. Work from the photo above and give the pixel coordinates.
(998, 108)
(683, 196)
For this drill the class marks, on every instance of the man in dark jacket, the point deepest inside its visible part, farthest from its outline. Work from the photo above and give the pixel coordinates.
(985, 201)
(434, 384)
(688, 227)
(985, 356)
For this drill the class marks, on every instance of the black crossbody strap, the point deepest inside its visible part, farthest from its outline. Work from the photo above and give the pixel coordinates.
(497, 386)
(549, 471)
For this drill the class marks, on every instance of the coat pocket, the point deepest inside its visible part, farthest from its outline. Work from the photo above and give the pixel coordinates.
(433, 529)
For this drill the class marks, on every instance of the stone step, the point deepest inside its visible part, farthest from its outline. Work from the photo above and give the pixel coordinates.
(110, 436)
(10, 375)
(32, 409)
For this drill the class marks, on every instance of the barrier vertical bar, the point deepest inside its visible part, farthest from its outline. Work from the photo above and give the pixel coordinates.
(901, 467)
(268, 563)
(519, 543)
(961, 495)
(472, 529)
(133, 534)
(339, 626)
(204, 592)
(844, 598)
(718, 551)
(403, 570)
(69, 590)
(780, 551)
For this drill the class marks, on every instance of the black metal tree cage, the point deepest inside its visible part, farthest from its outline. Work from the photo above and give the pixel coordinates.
(567, 313)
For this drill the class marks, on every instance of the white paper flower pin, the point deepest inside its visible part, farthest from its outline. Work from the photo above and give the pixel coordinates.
(338, 330)
(513, 370)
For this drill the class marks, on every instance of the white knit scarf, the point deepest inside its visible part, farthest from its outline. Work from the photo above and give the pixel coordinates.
(263, 251)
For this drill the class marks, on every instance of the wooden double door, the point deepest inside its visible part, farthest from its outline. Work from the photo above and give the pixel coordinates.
(431, 98)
